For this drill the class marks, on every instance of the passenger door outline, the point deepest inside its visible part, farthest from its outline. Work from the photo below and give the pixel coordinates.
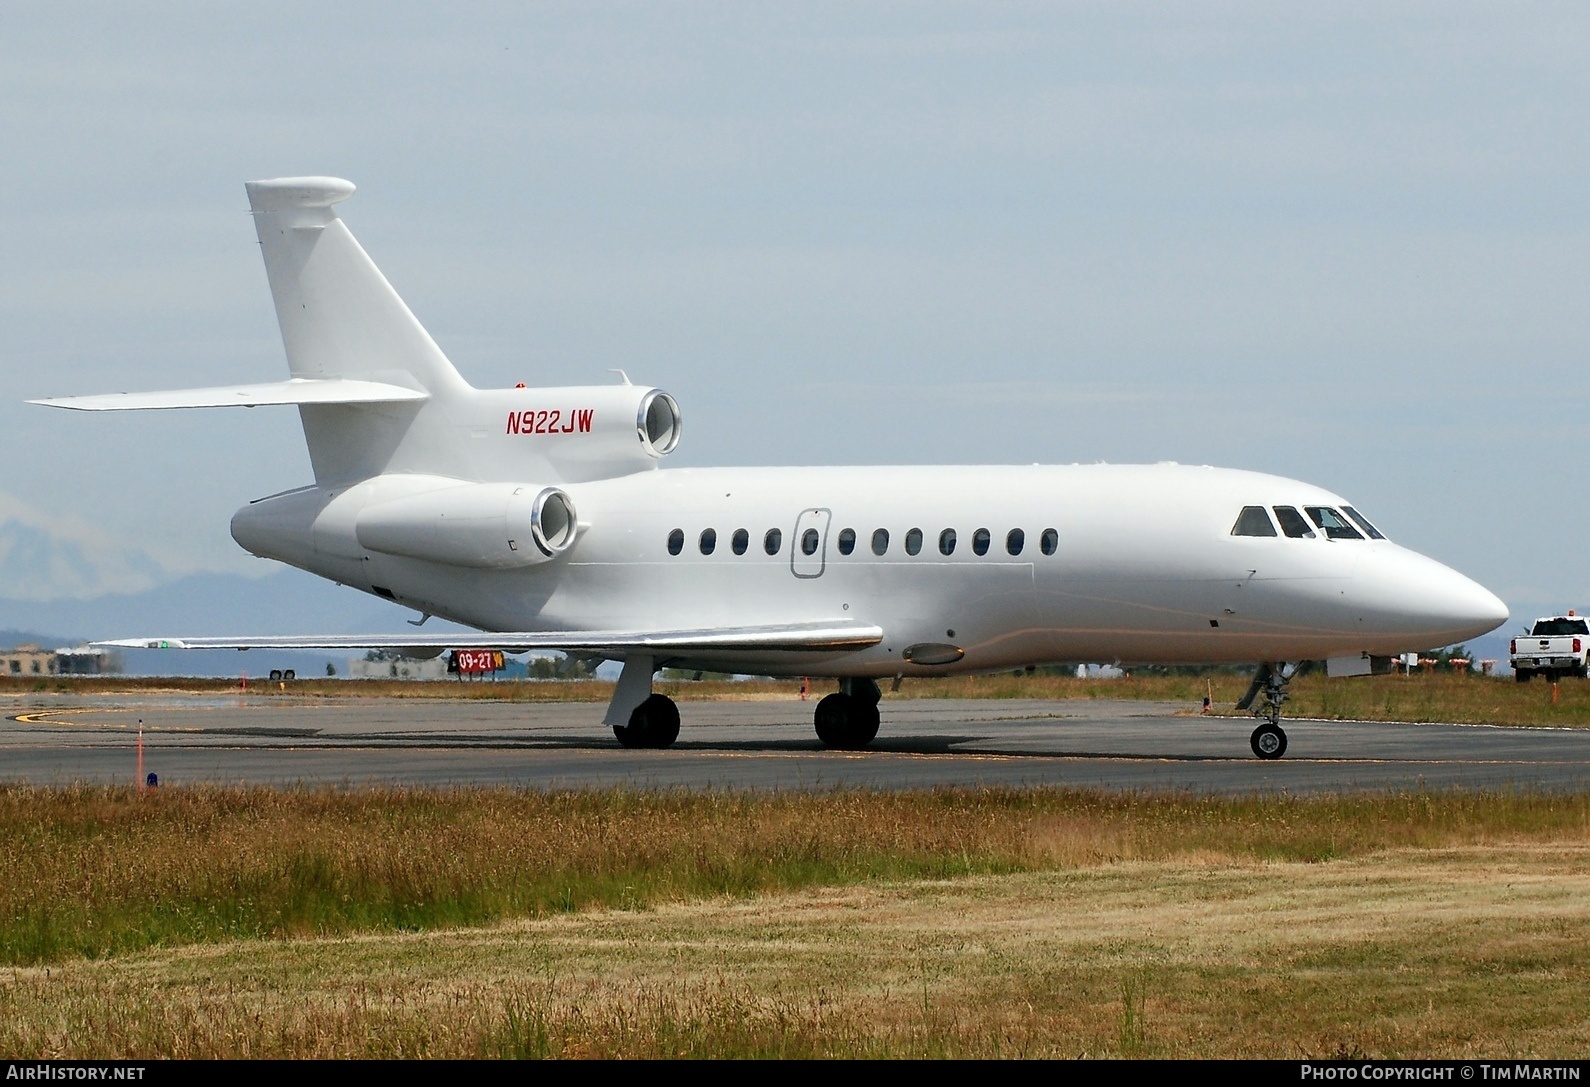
(801, 564)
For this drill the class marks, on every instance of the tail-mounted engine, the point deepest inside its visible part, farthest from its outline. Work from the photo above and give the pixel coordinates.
(582, 433)
(482, 525)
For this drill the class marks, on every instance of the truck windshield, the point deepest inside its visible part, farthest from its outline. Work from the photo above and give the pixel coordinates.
(1552, 628)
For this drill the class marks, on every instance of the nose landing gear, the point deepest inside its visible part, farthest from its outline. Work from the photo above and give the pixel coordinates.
(1269, 739)
(848, 721)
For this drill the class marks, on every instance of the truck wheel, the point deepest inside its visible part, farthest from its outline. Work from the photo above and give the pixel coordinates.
(1522, 675)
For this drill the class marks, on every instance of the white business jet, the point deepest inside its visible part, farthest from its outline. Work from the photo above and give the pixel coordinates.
(541, 517)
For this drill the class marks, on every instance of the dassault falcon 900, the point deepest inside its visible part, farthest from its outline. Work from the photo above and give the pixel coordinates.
(541, 517)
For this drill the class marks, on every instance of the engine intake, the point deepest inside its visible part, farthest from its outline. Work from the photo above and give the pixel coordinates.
(577, 433)
(480, 525)
(658, 423)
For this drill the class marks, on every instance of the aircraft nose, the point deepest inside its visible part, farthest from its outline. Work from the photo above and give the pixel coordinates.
(1430, 603)
(1472, 606)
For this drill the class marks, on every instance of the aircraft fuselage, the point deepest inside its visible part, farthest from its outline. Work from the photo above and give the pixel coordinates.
(1139, 566)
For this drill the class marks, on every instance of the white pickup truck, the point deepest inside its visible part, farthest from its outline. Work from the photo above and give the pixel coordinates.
(1556, 646)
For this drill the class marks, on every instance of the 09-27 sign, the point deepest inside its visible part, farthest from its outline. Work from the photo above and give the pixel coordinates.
(475, 661)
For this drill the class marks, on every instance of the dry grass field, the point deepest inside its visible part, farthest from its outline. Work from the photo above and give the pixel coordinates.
(1435, 697)
(1476, 952)
(216, 922)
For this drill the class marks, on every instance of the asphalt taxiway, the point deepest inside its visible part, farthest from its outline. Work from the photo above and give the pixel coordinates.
(756, 745)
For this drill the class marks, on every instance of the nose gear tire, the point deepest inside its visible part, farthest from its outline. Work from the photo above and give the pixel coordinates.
(1268, 741)
(846, 723)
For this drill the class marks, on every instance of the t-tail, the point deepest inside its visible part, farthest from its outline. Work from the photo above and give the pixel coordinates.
(342, 321)
(378, 397)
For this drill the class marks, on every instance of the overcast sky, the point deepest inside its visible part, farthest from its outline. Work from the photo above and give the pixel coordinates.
(1342, 243)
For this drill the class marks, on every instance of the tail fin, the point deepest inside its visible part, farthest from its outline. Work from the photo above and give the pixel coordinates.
(340, 318)
(339, 315)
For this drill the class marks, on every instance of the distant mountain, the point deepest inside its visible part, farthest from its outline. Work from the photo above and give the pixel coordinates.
(12, 638)
(43, 557)
(286, 602)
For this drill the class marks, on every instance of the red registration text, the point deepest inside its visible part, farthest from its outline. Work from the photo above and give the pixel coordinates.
(554, 421)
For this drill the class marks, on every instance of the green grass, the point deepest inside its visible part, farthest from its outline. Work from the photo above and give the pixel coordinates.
(1473, 951)
(102, 871)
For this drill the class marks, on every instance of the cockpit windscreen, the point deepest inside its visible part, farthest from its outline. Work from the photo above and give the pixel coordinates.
(1334, 524)
(1363, 522)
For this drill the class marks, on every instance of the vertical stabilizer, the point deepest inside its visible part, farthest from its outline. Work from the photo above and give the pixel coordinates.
(339, 315)
(340, 318)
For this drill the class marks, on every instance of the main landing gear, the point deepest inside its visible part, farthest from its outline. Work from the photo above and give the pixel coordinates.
(653, 723)
(848, 721)
(1269, 739)
(639, 717)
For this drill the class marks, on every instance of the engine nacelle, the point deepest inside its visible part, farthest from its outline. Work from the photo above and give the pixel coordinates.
(582, 432)
(481, 525)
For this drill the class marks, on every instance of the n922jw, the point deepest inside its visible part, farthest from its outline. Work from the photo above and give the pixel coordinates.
(544, 518)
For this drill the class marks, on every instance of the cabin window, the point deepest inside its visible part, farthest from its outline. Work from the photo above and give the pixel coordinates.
(880, 542)
(913, 542)
(1292, 523)
(809, 541)
(1049, 542)
(740, 541)
(1253, 521)
(676, 541)
(847, 540)
(980, 541)
(1334, 524)
(709, 540)
(1015, 540)
(1363, 522)
(947, 542)
(772, 541)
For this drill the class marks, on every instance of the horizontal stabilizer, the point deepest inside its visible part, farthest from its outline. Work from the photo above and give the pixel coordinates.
(294, 391)
(838, 636)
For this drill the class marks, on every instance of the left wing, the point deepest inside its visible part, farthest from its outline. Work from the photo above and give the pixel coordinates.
(827, 636)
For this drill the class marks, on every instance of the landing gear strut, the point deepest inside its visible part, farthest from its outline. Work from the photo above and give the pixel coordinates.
(1269, 739)
(639, 717)
(848, 721)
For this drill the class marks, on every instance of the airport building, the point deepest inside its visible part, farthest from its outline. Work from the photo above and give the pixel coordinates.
(402, 668)
(30, 660)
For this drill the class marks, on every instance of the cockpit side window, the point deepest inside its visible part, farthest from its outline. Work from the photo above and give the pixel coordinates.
(1253, 521)
(1363, 522)
(1292, 523)
(1334, 524)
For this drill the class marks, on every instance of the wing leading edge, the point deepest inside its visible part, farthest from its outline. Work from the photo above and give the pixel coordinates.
(837, 636)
